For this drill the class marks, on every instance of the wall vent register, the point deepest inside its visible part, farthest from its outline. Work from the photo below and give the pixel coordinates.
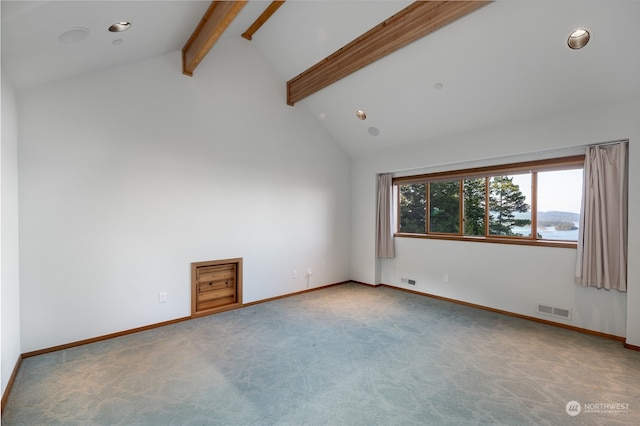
(554, 311)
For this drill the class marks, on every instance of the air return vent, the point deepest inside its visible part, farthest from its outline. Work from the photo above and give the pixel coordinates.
(554, 311)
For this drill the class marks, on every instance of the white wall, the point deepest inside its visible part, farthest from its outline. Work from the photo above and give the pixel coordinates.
(9, 283)
(511, 278)
(130, 174)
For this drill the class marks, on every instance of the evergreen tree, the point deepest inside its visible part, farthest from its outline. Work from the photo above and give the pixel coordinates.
(413, 211)
(474, 206)
(505, 198)
(444, 203)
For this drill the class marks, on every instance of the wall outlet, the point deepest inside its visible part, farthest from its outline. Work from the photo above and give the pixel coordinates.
(162, 297)
(309, 273)
(445, 278)
(294, 274)
(411, 282)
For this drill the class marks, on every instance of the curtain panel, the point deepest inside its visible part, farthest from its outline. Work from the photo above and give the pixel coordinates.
(602, 240)
(385, 248)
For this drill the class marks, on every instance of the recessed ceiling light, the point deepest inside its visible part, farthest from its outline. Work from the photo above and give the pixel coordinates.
(119, 26)
(373, 131)
(360, 114)
(74, 35)
(578, 39)
(438, 86)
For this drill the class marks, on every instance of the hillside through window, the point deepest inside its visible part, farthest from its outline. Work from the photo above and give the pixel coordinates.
(528, 203)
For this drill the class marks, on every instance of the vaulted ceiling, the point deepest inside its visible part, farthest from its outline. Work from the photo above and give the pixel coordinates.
(506, 61)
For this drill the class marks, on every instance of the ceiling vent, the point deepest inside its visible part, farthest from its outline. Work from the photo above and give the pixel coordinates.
(74, 35)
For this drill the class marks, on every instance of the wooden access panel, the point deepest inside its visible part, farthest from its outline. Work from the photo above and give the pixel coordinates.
(216, 286)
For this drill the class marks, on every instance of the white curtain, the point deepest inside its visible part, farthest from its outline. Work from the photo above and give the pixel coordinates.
(602, 240)
(384, 218)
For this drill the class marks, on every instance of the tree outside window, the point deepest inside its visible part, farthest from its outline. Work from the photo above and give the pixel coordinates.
(505, 201)
(475, 191)
(413, 204)
(444, 207)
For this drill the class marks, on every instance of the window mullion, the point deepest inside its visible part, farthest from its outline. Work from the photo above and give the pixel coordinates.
(427, 211)
(486, 206)
(398, 209)
(534, 205)
(461, 207)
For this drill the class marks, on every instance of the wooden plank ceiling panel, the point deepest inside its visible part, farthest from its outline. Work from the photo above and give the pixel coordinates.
(410, 24)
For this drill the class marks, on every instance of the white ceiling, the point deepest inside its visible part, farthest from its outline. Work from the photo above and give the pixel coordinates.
(507, 61)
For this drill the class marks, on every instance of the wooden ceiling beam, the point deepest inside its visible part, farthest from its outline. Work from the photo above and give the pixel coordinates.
(410, 24)
(215, 21)
(270, 10)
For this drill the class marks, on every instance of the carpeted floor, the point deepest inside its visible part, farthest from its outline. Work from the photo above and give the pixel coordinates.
(344, 355)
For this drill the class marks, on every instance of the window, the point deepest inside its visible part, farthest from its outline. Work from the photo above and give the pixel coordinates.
(535, 202)
(413, 206)
(474, 200)
(508, 206)
(444, 207)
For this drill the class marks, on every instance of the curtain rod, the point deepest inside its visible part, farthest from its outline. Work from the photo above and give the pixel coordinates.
(605, 143)
(545, 151)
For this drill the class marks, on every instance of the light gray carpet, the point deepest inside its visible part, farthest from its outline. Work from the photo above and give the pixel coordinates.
(344, 355)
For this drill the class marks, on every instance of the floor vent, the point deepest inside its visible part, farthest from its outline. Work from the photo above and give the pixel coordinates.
(554, 311)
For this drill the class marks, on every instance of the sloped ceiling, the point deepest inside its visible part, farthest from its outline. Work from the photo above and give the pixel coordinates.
(507, 61)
